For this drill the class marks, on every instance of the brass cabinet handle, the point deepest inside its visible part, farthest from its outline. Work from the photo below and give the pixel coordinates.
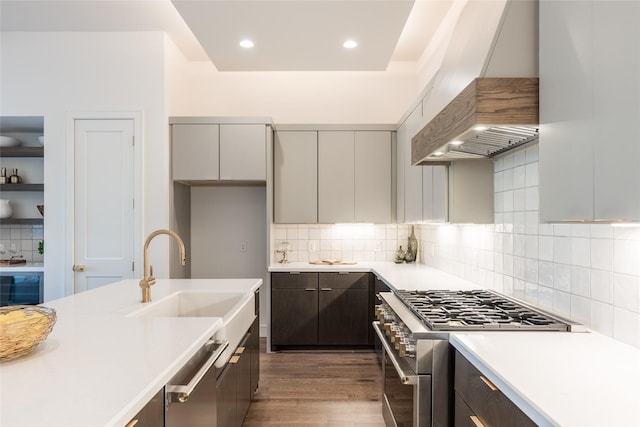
(326, 289)
(234, 359)
(132, 423)
(476, 421)
(239, 350)
(310, 289)
(79, 268)
(488, 383)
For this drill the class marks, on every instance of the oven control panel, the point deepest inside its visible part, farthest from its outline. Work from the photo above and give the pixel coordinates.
(396, 332)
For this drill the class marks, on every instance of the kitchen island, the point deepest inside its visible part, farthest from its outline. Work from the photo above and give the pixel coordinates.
(566, 379)
(101, 363)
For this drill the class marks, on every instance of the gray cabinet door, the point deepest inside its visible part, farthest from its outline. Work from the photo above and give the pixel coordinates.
(373, 177)
(589, 106)
(434, 193)
(412, 174)
(295, 177)
(336, 176)
(243, 152)
(195, 152)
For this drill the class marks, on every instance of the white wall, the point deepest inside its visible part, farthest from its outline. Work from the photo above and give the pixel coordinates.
(296, 97)
(54, 74)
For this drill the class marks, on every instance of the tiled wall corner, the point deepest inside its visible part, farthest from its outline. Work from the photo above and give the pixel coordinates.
(587, 272)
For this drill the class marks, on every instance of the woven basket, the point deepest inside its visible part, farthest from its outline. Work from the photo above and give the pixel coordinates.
(21, 333)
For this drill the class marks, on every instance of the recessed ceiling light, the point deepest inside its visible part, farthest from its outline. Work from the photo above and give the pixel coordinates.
(350, 44)
(246, 43)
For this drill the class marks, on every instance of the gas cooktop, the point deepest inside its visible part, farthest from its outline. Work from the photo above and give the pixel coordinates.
(443, 310)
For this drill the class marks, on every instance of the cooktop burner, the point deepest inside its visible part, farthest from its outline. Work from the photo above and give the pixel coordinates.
(476, 309)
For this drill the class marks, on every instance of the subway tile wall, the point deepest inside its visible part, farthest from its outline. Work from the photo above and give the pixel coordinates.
(21, 240)
(587, 272)
(359, 242)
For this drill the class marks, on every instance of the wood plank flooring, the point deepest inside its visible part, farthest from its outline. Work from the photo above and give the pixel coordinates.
(317, 388)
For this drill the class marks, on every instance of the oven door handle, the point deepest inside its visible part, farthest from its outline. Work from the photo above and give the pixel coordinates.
(404, 378)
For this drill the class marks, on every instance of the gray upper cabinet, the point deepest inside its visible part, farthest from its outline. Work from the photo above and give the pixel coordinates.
(434, 193)
(336, 176)
(412, 174)
(589, 107)
(243, 152)
(209, 151)
(195, 151)
(373, 177)
(333, 176)
(295, 177)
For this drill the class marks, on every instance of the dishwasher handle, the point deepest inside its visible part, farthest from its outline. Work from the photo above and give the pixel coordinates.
(183, 391)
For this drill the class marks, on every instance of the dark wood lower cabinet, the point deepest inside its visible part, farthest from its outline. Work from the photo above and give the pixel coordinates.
(321, 309)
(344, 309)
(152, 415)
(477, 399)
(234, 383)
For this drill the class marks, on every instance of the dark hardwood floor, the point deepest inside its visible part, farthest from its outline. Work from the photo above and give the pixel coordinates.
(317, 388)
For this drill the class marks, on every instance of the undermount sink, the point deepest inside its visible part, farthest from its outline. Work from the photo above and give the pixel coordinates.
(236, 309)
(192, 304)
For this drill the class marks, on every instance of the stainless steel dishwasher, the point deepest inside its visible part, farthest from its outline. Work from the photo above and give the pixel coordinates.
(191, 393)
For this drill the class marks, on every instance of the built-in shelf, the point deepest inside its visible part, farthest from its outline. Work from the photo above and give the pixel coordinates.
(21, 187)
(29, 221)
(22, 151)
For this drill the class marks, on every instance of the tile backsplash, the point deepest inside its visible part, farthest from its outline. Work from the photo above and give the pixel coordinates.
(21, 239)
(360, 242)
(587, 272)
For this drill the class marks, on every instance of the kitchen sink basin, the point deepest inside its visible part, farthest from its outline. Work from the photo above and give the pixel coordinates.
(192, 304)
(236, 309)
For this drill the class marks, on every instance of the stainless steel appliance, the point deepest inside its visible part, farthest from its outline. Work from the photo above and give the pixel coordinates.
(413, 327)
(191, 393)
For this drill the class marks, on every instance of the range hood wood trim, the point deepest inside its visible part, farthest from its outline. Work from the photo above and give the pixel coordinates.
(488, 101)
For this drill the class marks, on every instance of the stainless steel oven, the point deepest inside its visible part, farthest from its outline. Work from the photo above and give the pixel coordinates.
(417, 360)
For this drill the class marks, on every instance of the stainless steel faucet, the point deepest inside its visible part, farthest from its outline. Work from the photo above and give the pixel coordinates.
(148, 278)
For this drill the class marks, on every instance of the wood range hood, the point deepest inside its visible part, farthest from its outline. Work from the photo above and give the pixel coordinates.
(490, 116)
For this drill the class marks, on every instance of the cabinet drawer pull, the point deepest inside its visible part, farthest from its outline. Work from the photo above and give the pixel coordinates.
(326, 289)
(234, 359)
(294, 272)
(488, 383)
(476, 421)
(343, 272)
(132, 423)
(310, 289)
(239, 350)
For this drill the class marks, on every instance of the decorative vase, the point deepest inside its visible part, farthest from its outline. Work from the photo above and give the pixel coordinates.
(5, 209)
(400, 254)
(412, 247)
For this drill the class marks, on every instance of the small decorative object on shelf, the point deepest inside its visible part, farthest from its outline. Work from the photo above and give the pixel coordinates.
(41, 247)
(412, 247)
(400, 256)
(40, 209)
(5, 209)
(3, 176)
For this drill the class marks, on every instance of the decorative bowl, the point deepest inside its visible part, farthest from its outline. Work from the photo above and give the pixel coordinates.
(22, 328)
(40, 209)
(9, 141)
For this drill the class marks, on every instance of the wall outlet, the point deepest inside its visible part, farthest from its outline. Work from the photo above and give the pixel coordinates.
(243, 246)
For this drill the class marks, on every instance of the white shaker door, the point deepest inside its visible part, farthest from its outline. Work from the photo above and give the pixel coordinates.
(103, 202)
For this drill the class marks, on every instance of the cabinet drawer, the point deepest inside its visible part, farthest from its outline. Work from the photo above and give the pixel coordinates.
(485, 400)
(344, 280)
(464, 416)
(294, 281)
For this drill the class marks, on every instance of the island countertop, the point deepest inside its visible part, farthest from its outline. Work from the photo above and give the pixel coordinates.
(99, 366)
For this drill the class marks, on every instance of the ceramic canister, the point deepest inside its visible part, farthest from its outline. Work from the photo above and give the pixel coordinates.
(5, 209)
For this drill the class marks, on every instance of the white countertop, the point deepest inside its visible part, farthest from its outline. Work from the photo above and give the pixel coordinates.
(556, 378)
(29, 267)
(98, 367)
